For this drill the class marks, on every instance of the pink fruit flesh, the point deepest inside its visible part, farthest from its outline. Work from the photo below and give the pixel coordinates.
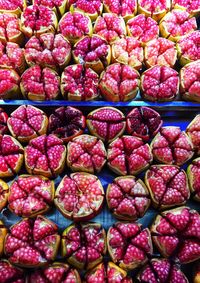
(3, 122)
(124, 8)
(191, 6)
(11, 5)
(9, 28)
(189, 47)
(79, 83)
(142, 28)
(193, 130)
(168, 186)
(50, 4)
(194, 178)
(9, 83)
(90, 7)
(160, 83)
(143, 122)
(10, 273)
(156, 9)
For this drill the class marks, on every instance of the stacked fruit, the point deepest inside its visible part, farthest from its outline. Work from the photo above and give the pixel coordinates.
(89, 49)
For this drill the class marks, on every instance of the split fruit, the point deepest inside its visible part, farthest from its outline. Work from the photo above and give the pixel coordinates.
(84, 245)
(125, 8)
(9, 84)
(193, 173)
(3, 122)
(154, 9)
(32, 243)
(80, 196)
(4, 192)
(3, 233)
(27, 122)
(10, 273)
(193, 131)
(92, 8)
(192, 7)
(12, 6)
(58, 6)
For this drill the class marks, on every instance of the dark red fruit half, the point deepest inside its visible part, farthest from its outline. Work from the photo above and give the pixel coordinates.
(3, 122)
(193, 173)
(193, 131)
(10, 273)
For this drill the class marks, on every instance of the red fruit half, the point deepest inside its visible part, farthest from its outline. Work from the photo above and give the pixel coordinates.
(172, 146)
(3, 233)
(79, 197)
(3, 122)
(193, 131)
(58, 6)
(31, 195)
(160, 83)
(86, 153)
(188, 48)
(176, 24)
(193, 173)
(27, 122)
(12, 6)
(142, 28)
(57, 272)
(161, 270)
(93, 51)
(40, 84)
(84, 245)
(119, 83)
(67, 123)
(4, 192)
(127, 198)
(129, 156)
(37, 20)
(176, 234)
(110, 26)
(128, 51)
(11, 156)
(190, 81)
(143, 122)
(168, 186)
(92, 8)
(160, 51)
(110, 273)
(79, 83)
(106, 123)
(10, 273)
(9, 84)
(155, 9)
(32, 243)
(74, 25)
(129, 246)
(125, 8)
(192, 7)
(45, 155)
(48, 50)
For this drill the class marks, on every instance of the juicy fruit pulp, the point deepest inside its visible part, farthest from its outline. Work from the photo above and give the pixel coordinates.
(84, 245)
(10, 273)
(193, 131)
(80, 196)
(92, 8)
(32, 243)
(193, 173)
(154, 9)
(3, 122)
(125, 8)
(58, 6)
(9, 84)
(10, 30)
(192, 7)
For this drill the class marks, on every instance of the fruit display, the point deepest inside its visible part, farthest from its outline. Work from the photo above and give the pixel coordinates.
(193, 172)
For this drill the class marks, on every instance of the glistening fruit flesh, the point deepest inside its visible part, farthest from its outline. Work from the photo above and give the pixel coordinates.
(119, 83)
(32, 243)
(129, 156)
(9, 84)
(86, 153)
(4, 192)
(92, 8)
(193, 173)
(176, 234)
(80, 196)
(12, 6)
(106, 123)
(125, 8)
(193, 131)
(30, 195)
(11, 273)
(84, 245)
(3, 233)
(168, 186)
(3, 122)
(129, 245)
(154, 9)
(127, 198)
(58, 6)
(192, 7)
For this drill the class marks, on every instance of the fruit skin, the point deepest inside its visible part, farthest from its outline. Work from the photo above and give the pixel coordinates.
(92, 51)
(193, 131)
(172, 146)
(175, 234)
(161, 270)
(32, 17)
(16, 8)
(40, 83)
(67, 123)
(11, 273)
(3, 122)
(193, 173)
(188, 48)
(101, 123)
(167, 29)
(3, 233)
(48, 50)
(95, 7)
(189, 81)
(112, 23)
(160, 83)
(196, 275)
(32, 243)
(124, 240)
(9, 84)
(79, 83)
(149, 121)
(168, 186)
(110, 272)
(128, 155)
(153, 9)
(79, 201)
(59, 7)
(85, 253)
(189, 6)
(4, 192)
(27, 117)
(30, 196)
(119, 83)
(128, 51)
(127, 198)
(57, 272)
(78, 23)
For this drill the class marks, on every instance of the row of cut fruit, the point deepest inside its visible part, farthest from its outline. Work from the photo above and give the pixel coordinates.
(175, 234)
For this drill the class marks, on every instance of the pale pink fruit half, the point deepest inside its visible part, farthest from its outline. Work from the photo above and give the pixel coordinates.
(193, 131)
(193, 172)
